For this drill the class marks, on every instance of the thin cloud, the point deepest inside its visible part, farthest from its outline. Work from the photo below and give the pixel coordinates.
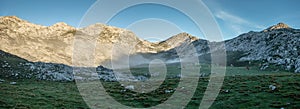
(236, 23)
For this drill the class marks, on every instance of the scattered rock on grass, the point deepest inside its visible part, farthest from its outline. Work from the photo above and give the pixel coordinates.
(272, 87)
(168, 91)
(226, 91)
(13, 83)
(130, 87)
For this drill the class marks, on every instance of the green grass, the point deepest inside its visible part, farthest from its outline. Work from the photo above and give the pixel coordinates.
(40, 94)
(246, 89)
(254, 92)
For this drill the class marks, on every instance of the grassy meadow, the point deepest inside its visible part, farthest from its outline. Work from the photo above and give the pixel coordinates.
(241, 89)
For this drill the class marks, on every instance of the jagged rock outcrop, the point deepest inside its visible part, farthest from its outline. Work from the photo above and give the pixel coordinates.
(279, 45)
(14, 67)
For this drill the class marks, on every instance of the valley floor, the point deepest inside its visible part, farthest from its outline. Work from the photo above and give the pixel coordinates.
(253, 90)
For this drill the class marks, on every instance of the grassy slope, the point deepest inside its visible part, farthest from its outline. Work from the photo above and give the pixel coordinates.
(247, 89)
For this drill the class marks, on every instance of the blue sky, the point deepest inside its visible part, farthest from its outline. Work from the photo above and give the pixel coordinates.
(239, 16)
(233, 16)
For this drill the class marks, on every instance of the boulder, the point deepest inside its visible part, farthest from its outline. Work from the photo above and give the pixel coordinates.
(297, 70)
(264, 66)
(297, 66)
(289, 67)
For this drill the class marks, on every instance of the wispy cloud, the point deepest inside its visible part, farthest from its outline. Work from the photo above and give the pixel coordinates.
(236, 23)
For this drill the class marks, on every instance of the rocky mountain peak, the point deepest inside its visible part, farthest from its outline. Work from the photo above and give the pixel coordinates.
(93, 30)
(181, 37)
(10, 19)
(278, 26)
(177, 40)
(60, 24)
(13, 23)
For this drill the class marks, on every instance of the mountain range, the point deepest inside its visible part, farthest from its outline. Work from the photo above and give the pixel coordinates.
(277, 45)
(55, 43)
